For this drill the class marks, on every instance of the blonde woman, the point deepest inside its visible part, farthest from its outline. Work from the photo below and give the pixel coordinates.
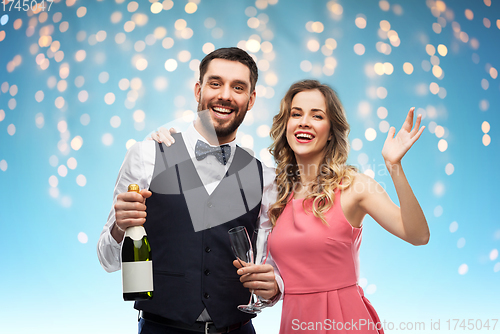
(321, 204)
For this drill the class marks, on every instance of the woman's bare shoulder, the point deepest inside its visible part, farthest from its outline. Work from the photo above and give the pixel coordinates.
(361, 185)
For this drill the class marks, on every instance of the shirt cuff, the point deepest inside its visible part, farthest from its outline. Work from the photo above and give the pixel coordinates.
(115, 244)
(279, 295)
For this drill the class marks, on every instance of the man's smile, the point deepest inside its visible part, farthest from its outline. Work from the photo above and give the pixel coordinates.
(222, 112)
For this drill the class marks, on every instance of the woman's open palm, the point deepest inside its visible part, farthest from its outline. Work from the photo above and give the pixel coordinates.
(395, 147)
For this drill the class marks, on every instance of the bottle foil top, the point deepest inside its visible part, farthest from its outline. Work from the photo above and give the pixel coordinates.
(135, 232)
(133, 187)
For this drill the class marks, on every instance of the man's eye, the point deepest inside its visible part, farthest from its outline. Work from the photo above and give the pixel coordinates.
(215, 84)
(238, 88)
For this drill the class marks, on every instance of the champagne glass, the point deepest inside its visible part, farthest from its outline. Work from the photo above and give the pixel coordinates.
(259, 242)
(243, 250)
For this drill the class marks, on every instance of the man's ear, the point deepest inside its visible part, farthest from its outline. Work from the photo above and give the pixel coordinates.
(197, 91)
(251, 101)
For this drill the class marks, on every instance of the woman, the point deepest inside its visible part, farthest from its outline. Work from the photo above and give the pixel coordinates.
(321, 204)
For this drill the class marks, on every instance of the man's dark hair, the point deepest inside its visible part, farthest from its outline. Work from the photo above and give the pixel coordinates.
(233, 54)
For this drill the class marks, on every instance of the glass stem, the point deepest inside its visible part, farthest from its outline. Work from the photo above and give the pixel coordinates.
(250, 303)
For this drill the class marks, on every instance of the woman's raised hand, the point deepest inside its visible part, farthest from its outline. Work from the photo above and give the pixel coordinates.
(395, 147)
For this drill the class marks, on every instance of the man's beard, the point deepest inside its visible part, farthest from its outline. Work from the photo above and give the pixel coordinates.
(228, 127)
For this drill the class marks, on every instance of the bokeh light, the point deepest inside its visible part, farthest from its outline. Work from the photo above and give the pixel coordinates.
(370, 134)
(408, 68)
(313, 45)
(82, 238)
(360, 21)
(76, 143)
(359, 49)
(171, 65)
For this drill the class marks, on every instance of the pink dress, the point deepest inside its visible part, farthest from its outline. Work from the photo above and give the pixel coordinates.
(320, 267)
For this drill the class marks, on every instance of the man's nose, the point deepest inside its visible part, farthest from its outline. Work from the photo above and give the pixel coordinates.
(225, 93)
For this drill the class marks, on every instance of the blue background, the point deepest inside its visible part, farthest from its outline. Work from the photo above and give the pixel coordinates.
(51, 279)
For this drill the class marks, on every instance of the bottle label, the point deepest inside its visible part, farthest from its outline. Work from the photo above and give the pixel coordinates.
(135, 232)
(137, 276)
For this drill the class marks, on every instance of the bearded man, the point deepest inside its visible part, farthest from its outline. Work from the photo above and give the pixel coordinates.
(193, 192)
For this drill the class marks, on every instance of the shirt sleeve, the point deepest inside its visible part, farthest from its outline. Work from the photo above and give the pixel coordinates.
(137, 168)
(269, 197)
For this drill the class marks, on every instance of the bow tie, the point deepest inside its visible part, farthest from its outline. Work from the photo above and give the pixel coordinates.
(222, 153)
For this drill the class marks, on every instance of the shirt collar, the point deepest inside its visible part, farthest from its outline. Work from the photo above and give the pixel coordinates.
(192, 136)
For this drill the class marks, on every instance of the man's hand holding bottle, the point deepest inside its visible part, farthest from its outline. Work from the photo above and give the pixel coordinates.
(130, 210)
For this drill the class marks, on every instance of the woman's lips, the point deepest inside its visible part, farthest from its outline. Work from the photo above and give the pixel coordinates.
(304, 137)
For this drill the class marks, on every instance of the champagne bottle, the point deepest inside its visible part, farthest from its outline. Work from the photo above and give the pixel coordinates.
(137, 265)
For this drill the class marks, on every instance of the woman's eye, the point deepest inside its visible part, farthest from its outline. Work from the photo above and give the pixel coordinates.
(294, 114)
(318, 116)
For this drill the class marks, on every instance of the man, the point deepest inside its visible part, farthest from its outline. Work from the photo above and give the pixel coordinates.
(197, 192)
